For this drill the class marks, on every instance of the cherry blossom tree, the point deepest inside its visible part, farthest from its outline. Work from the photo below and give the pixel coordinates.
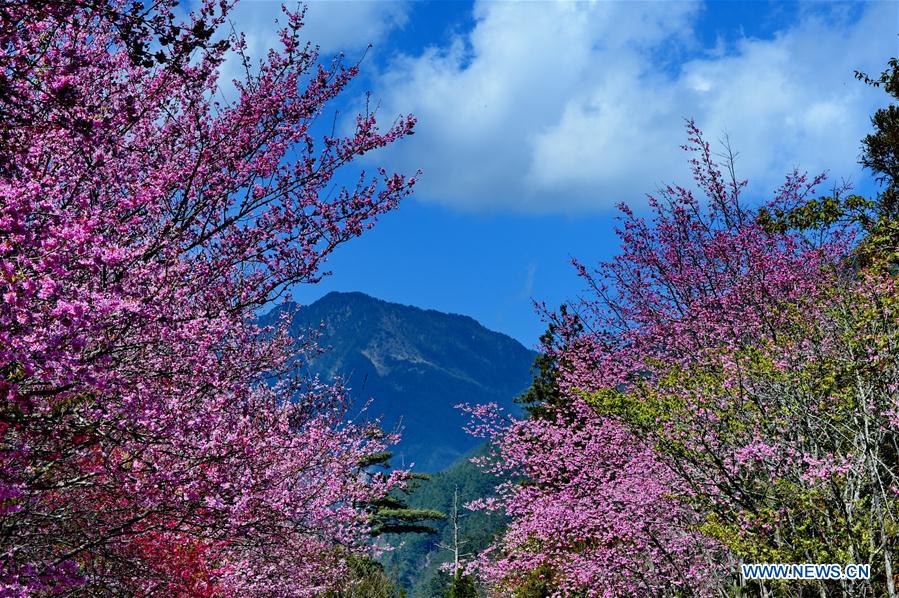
(725, 392)
(147, 443)
(594, 511)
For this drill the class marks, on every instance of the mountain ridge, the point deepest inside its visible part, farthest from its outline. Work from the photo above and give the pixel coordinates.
(414, 365)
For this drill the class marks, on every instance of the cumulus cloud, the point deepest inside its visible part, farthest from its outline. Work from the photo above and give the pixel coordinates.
(577, 106)
(334, 25)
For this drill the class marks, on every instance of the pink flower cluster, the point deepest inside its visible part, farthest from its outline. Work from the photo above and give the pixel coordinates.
(593, 512)
(705, 405)
(148, 440)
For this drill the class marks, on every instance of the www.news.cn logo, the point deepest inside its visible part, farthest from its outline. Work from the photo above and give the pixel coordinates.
(805, 571)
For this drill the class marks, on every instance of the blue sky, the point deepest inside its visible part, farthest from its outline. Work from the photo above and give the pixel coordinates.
(537, 118)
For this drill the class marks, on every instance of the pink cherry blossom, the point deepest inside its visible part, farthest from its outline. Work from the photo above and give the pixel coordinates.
(153, 438)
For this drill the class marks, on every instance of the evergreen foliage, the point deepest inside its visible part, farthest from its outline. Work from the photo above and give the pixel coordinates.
(390, 514)
(416, 560)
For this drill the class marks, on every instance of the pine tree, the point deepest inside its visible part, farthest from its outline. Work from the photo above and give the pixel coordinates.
(391, 514)
(880, 152)
(543, 397)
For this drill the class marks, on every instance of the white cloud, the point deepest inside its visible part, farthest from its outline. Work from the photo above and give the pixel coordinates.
(577, 106)
(335, 25)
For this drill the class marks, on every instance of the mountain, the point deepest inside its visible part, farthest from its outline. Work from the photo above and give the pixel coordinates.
(415, 365)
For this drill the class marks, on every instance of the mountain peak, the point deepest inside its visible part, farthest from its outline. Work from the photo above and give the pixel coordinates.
(349, 296)
(360, 298)
(415, 365)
